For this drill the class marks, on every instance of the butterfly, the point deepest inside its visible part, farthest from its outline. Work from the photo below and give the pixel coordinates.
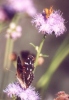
(25, 71)
(46, 12)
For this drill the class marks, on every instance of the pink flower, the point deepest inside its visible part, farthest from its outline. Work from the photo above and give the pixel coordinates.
(16, 90)
(53, 23)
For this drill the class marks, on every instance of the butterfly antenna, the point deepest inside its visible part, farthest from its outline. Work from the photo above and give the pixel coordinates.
(10, 70)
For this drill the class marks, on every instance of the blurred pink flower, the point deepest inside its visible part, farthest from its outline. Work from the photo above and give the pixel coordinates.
(6, 13)
(26, 6)
(14, 31)
(54, 23)
(3, 16)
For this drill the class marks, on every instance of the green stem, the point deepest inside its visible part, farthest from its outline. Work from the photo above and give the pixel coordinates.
(39, 50)
(15, 64)
(10, 52)
(45, 79)
(1, 27)
(14, 98)
(6, 52)
(9, 46)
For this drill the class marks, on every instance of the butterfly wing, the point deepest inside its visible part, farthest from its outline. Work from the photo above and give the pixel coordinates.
(29, 67)
(20, 73)
(19, 66)
(29, 78)
(25, 72)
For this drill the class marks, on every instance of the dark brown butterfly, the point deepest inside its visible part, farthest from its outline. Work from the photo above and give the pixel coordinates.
(25, 71)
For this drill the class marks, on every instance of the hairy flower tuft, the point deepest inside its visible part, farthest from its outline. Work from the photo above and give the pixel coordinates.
(54, 23)
(25, 94)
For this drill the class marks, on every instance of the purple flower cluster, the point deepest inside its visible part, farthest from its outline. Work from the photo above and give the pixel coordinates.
(14, 31)
(25, 94)
(54, 23)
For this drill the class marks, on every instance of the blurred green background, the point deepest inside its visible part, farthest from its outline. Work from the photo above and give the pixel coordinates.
(56, 48)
